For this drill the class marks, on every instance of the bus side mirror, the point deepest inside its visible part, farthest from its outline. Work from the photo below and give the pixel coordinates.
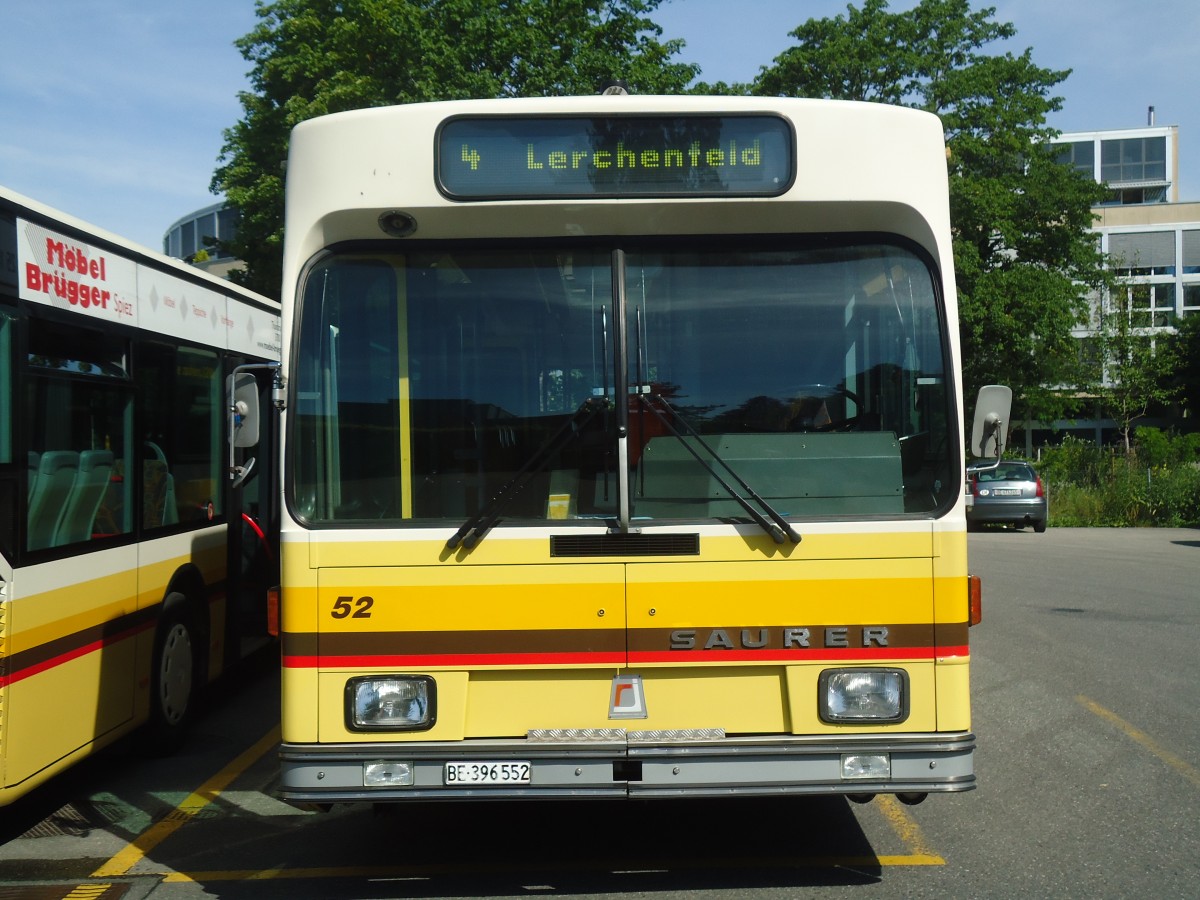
(990, 429)
(242, 390)
(241, 400)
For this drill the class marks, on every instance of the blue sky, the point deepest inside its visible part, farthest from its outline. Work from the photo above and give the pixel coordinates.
(114, 112)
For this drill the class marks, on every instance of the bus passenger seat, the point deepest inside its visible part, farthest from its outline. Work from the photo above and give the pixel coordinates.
(34, 459)
(158, 501)
(56, 475)
(154, 492)
(95, 467)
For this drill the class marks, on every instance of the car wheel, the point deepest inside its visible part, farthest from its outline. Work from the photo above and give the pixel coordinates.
(1039, 526)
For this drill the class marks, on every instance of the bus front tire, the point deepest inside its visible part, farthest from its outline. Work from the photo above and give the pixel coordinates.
(173, 679)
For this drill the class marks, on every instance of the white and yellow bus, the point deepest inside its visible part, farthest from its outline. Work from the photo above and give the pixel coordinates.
(623, 453)
(130, 571)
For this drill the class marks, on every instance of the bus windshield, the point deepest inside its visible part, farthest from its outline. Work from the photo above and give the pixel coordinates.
(430, 381)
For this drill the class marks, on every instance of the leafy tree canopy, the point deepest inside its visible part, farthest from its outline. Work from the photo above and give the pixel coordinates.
(1185, 353)
(1025, 260)
(312, 57)
(1136, 373)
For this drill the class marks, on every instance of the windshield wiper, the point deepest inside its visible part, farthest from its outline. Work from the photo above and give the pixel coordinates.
(472, 531)
(778, 528)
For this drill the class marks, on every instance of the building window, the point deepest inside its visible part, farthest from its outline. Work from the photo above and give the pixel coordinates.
(227, 222)
(206, 232)
(1136, 196)
(203, 231)
(1191, 252)
(1133, 159)
(1151, 305)
(1143, 253)
(189, 238)
(1090, 355)
(1191, 299)
(1079, 155)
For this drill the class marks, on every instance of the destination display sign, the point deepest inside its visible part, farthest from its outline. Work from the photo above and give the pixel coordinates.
(512, 157)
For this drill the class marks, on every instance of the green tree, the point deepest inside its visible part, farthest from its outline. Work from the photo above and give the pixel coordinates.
(1185, 356)
(312, 57)
(1025, 260)
(866, 54)
(1138, 365)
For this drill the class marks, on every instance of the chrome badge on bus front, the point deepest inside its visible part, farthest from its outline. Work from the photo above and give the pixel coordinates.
(759, 638)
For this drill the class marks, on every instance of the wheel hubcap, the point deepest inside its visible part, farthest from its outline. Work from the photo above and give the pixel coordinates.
(175, 677)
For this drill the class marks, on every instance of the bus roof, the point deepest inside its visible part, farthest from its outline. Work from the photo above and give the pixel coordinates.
(22, 204)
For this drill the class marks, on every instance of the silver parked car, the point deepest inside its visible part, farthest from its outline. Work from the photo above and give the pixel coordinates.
(1010, 493)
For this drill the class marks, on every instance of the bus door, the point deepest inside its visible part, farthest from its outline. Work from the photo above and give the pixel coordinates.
(253, 504)
(772, 386)
(453, 390)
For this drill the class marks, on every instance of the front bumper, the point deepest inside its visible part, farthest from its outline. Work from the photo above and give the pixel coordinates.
(640, 767)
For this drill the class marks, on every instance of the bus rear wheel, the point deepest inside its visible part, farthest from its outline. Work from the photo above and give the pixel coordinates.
(173, 678)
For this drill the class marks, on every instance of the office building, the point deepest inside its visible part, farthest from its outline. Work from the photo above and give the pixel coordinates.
(194, 235)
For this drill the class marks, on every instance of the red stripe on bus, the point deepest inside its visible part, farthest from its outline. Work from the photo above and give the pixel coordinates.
(73, 654)
(566, 659)
(454, 660)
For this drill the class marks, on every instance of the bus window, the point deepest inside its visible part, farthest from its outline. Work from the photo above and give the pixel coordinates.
(8, 482)
(476, 358)
(79, 422)
(181, 434)
(814, 371)
(6, 400)
(348, 400)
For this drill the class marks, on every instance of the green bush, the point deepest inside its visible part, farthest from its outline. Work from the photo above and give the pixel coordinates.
(1075, 462)
(1158, 484)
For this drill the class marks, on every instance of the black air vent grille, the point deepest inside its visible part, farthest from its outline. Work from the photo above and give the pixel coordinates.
(625, 545)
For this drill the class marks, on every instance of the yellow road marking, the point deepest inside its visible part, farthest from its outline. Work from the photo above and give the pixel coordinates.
(133, 853)
(908, 831)
(1184, 768)
(88, 892)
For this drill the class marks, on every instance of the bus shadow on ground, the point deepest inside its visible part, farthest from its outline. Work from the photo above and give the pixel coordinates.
(558, 847)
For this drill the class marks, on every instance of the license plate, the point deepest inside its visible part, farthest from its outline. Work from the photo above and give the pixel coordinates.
(487, 772)
(1007, 492)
